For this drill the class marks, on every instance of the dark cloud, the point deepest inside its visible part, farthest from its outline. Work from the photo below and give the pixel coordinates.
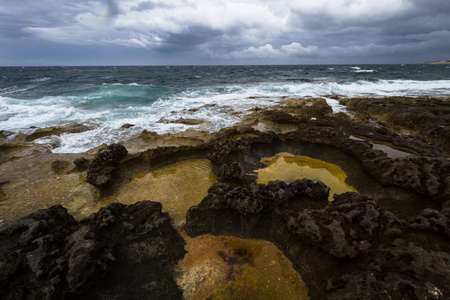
(229, 31)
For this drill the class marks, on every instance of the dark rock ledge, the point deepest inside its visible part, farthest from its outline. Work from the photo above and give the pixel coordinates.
(357, 247)
(351, 249)
(121, 252)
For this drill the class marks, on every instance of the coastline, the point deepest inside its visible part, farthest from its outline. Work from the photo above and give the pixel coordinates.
(394, 151)
(438, 62)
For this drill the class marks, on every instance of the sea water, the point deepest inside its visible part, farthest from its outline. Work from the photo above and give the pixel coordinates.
(109, 97)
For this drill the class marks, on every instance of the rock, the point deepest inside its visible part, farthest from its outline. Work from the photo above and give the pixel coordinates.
(233, 172)
(425, 118)
(81, 164)
(251, 201)
(307, 108)
(182, 120)
(351, 249)
(280, 117)
(426, 176)
(127, 126)
(100, 171)
(400, 271)
(432, 220)
(60, 166)
(4, 134)
(125, 252)
(58, 130)
(356, 220)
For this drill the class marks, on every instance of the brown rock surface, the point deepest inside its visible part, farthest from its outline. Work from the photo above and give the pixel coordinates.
(390, 240)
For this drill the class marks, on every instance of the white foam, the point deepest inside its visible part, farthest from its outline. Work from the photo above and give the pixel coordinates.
(217, 105)
(335, 105)
(364, 71)
(43, 79)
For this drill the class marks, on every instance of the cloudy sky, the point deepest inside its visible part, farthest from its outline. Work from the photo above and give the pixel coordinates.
(187, 32)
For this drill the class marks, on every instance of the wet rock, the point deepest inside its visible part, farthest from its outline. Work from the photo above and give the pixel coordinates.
(100, 171)
(126, 252)
(182, 120)
(6, 134)
(425, 118)
(127, 126)
(308, 108)
(58, 130)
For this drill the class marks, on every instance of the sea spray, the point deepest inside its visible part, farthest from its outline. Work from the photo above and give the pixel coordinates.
(109, 97)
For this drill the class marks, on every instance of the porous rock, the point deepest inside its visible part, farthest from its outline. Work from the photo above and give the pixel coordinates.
(100, 171)
(121, 252)
(364, 249)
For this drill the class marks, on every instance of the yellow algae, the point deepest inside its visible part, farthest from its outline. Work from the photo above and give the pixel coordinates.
(177, 186)
(224, 267)
(250, 135)
(23, 197)
(287, 167)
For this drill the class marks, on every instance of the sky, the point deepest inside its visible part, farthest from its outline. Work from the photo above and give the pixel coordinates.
(223, 32)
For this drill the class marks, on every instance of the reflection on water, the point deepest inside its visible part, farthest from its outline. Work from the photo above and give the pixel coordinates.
(287, 167)
(223, 267)
(390, 150)
(177, 187)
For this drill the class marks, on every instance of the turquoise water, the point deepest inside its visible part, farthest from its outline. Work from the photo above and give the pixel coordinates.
(109, 97)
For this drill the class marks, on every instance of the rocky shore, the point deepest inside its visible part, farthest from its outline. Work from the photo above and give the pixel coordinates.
(388, 239)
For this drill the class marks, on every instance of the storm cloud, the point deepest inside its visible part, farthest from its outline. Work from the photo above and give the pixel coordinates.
(223, 32)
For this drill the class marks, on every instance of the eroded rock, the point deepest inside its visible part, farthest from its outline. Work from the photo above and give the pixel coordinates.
(122, 251)
(351, 233)
(57, 131)
(100, 171)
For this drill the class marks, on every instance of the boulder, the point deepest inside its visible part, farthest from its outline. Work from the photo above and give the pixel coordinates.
(100, 171)
(121, 252)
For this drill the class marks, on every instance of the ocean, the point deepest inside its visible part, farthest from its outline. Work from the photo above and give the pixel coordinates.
(150, 97)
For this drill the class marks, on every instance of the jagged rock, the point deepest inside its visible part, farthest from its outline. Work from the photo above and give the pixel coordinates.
(233, 172)
(431, 220)
(356, 225)
(100, 171)
(256, 197)
(424, 175)
(365, 250)
(121, 252)
(399, 271)
(423, 117)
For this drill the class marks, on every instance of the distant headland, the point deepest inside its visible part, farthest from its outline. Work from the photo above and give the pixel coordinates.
(438, 62)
